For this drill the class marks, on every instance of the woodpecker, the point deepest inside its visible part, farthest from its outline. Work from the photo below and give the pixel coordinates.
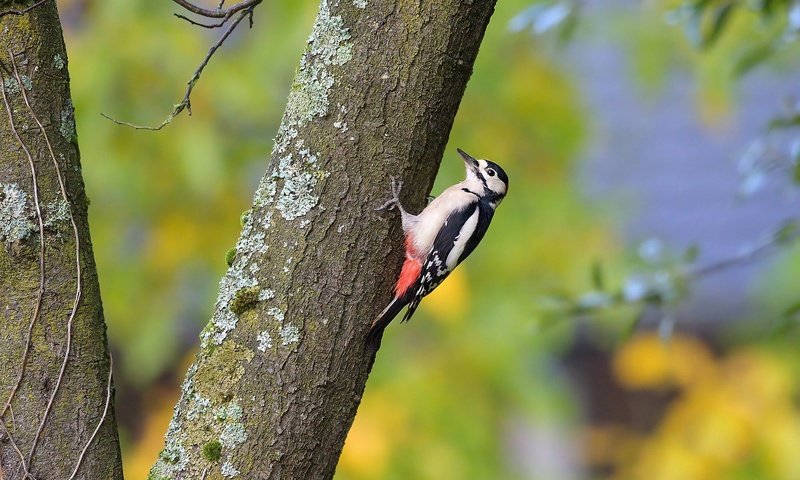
(442, 235)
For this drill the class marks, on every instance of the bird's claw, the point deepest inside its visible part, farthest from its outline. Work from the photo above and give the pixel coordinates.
(395, 200)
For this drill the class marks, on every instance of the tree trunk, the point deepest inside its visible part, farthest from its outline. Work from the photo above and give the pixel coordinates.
(283, 362)
(56, 401)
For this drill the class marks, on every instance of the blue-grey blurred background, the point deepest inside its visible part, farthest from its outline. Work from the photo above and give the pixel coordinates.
(634, 132)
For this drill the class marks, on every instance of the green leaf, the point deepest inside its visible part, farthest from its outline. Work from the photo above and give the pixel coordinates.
(691, 253)
(752, 58)
(598, 277)
(719, 18)
(792, 311)
(796, 173)
(787, 232)
(785, 122)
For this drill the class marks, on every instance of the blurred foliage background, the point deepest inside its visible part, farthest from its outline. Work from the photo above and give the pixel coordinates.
(576, 343)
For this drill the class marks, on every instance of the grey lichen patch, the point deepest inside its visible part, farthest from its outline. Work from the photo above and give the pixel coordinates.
(208, 425)
(67, 127)
(277, 313)
(59, 62)
(264, 341)
(289, 334)
(15, 214)
(11, 85)
(328, 45)
(229, 471)
(237, 278)
(244, 299)
(55, 212)
(360, 3)
(266, 294)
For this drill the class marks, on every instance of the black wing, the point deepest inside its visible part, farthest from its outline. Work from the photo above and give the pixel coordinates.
(435, 268)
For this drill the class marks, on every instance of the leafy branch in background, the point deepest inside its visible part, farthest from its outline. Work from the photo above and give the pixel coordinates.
(662, 279)
(236, 13)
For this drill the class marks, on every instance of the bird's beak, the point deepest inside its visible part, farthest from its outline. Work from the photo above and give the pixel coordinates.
(471, 163)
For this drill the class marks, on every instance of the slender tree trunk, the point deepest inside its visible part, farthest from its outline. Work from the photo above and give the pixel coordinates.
(56, 401)
(283, 362)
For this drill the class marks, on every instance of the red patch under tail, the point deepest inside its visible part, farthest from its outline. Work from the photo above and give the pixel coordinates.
(410, 272)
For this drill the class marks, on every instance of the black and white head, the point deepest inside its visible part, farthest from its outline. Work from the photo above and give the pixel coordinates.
(485, 178)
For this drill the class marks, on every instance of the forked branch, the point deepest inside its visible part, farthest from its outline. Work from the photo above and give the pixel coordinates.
(244, 10)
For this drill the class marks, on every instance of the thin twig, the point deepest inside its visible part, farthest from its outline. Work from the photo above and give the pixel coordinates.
(186, 103)
(23, 11)
(102, 418)
(204, 25)
(746, 255)
(78, 270)
(218, 12)
(36, 203)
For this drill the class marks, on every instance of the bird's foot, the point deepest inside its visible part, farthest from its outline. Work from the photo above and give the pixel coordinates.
(395, 200)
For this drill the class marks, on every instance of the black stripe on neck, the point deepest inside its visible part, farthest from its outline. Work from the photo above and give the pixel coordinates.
(470, 191)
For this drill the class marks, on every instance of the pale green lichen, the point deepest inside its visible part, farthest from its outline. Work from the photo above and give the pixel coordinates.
(67, 127)
(264, 341)
(228, 470)
(329, 45)
(277, 313)
(15, 214)
(208, 423)
(11, 84)
(56, 212)
(58, 61)
(289, 334)
(266, 294)
(360, 3)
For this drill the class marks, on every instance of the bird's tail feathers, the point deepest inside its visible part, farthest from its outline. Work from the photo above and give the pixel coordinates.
(384, 318)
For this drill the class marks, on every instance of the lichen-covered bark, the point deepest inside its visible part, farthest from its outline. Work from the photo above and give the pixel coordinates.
(283, 362)
(39, 284)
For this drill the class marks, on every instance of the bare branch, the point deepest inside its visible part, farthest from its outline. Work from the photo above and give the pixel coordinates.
(218, 12)
(204, 25)
(745, 255)
(186, 103)
(23, 11)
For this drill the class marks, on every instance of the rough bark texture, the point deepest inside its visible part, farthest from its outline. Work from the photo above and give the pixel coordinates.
(44, 216)
(283, 363)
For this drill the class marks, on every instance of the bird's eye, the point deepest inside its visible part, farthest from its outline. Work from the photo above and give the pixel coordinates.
(490, 172)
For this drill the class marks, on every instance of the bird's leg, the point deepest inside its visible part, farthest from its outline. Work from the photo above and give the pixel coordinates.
(395, 200)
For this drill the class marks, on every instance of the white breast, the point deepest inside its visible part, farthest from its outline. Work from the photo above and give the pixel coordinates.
(432, 218)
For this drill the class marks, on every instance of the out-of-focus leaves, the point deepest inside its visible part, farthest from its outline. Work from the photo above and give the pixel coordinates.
(691, 254)
(787, 232)
(792, 311)
(751, 58)
(541, 18)
(796, 172)
(598, 276)
(785, 122)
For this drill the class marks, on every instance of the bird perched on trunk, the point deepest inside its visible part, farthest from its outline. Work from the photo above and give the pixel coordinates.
(442, 235)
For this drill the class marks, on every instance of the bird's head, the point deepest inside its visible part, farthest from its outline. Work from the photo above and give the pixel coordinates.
(485, 177)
